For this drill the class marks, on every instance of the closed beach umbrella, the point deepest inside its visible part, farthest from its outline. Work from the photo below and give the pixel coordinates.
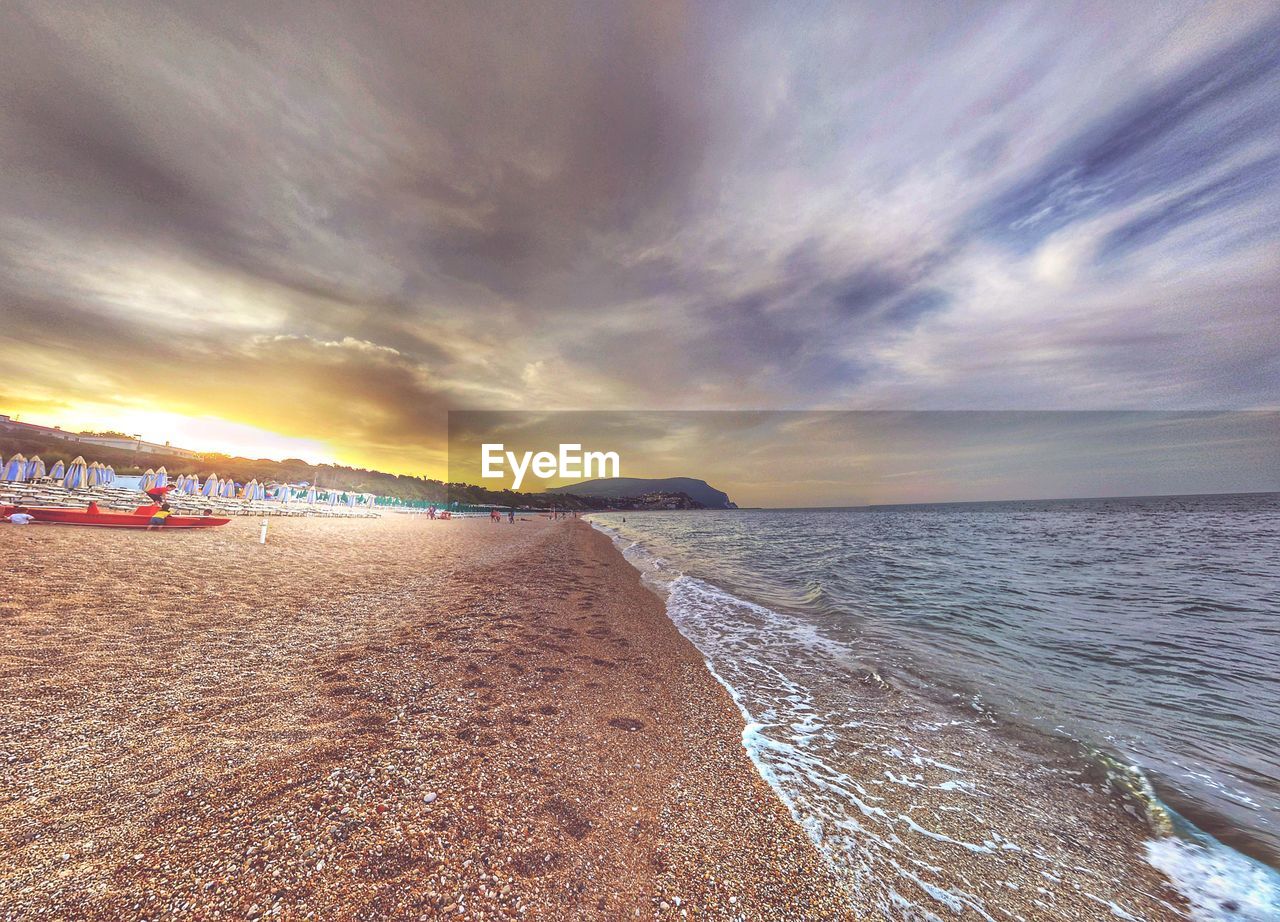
(111, 474)
(210, 486)
(16, 470)
(162, 477)
(92, 475)
(77, 474)
(229, 488)
(58, 470)
(285, 494)
(35, 468)
(311, 493)
(351, 500)
(148, 480)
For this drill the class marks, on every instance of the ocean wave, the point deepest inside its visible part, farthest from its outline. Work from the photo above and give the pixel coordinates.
(799, 692)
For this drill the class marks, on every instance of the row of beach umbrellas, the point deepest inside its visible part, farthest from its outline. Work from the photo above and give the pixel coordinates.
(312, 496)
(80, 475)
(190, 485)
(74, 476)
(213, 486)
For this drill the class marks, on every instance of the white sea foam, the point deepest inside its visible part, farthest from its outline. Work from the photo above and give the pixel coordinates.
(1221, 884)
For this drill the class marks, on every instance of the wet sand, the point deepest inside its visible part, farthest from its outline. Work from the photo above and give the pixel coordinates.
(371, 719)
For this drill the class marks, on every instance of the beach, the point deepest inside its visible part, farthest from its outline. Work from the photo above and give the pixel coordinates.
(403, 718)
(391, 718)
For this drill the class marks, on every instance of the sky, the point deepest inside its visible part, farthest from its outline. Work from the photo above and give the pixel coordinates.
(312, 229)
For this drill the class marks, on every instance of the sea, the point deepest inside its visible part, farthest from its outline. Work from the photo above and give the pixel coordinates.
(1140, 635)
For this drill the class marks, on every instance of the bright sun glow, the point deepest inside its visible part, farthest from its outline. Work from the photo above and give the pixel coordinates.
(196, 433)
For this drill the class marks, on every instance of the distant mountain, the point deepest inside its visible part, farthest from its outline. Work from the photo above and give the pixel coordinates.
(625, 487)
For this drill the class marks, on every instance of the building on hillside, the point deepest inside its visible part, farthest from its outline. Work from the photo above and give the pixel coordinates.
(124, 443)
(8, 424)
(118, 442)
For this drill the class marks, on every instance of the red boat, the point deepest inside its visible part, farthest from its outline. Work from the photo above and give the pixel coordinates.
(95, 517)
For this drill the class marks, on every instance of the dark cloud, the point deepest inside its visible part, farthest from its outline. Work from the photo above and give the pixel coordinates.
(915, 306)
(1250, 182)
(865, 290)
(1170, 132)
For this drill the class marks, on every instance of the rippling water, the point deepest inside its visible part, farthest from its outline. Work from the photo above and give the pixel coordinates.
(1145, 631)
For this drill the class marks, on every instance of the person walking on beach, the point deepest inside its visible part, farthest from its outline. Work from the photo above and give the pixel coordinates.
(511, 516)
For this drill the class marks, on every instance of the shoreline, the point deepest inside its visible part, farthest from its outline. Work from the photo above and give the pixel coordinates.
(994, 818)
(393, 718)
(1221, 861)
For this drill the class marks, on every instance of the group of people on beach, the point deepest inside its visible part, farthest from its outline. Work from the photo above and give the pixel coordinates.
(495, 515)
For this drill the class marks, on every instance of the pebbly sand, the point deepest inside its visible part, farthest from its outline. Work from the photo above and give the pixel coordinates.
(370, 719)
(397, 718)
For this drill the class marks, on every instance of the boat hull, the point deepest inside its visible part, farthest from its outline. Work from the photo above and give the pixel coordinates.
(139, 518)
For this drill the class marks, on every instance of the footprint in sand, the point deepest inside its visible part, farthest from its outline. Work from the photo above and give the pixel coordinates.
(630, 724)
(568, 816)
